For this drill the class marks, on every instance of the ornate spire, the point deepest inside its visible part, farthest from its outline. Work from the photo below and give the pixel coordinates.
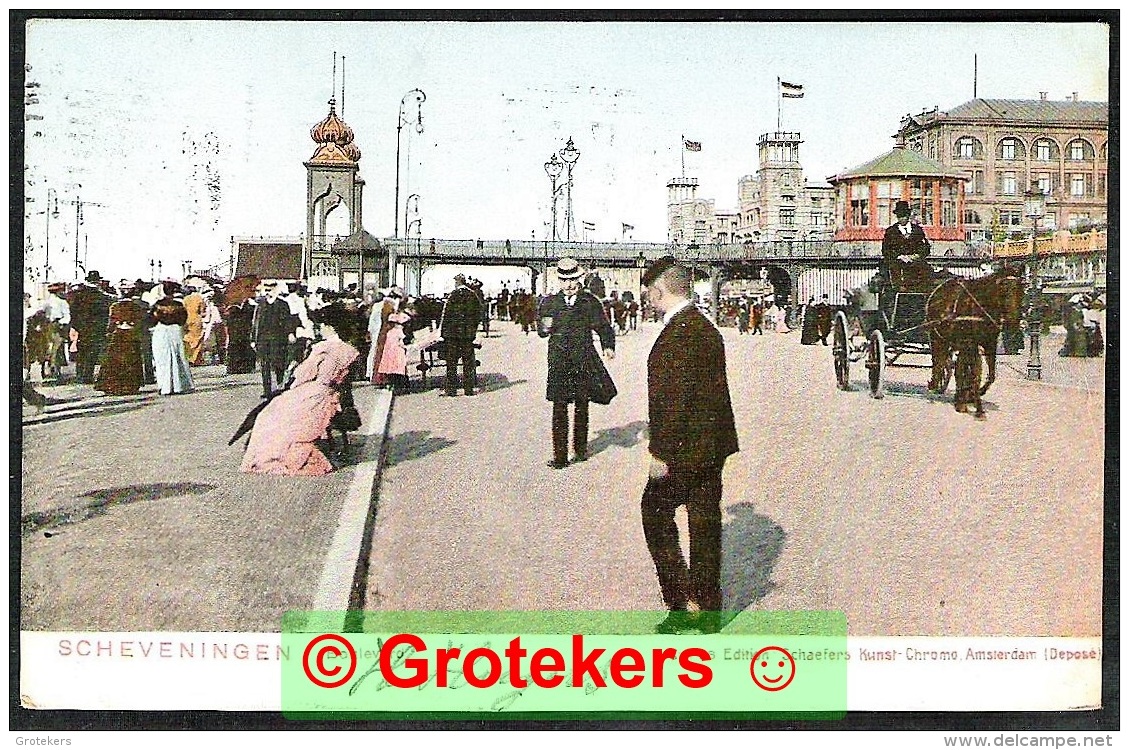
(333, 136)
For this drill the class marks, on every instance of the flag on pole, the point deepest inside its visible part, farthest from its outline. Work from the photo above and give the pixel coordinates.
(791, 90)
(692, 145)
(590, 226)
(628, 228)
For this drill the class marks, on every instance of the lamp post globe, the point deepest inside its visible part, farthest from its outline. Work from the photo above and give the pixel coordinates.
(553, 169)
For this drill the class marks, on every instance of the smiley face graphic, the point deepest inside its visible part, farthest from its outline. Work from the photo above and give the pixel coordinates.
(772, 668)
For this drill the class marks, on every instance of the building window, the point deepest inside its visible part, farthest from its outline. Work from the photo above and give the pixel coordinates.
(788, 216)
(969, 148)
(933, 151)
(1101, 184)
(1011, 217)
(1078, 151)
(971, 217)
(1045, 151)
(1010, 150)
(1078, 185)
(1009, 185)
(1079, 220)
(1044, 182)
(860, 204)
(948, 205)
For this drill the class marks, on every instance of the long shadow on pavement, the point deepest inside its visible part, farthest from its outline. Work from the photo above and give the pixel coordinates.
(751, 543)
(95, 410)
(106, 498)
(624, 436)
(413, 444)
(923, 393)
(487, 382)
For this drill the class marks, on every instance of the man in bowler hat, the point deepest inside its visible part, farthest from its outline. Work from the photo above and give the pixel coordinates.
(459, 325)
(692, 432)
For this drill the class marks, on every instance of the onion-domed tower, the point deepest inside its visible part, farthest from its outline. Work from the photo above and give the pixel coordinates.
(333, 184)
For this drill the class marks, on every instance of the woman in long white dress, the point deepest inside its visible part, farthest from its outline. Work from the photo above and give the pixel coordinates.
(170, 363)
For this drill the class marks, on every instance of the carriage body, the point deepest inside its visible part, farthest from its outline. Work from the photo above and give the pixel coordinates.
(877, 329)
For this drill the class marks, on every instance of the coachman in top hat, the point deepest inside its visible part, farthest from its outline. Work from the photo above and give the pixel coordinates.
(904, 253)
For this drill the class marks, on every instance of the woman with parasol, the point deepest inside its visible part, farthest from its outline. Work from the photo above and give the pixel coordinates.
(238, 309)
(286, 430)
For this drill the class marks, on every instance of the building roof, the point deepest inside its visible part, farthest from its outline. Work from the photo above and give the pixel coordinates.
(899, 162)
(1027, 110)
(269, 260)
(359, 240)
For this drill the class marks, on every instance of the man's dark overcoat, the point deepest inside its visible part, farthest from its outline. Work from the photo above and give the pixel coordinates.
(570, 343)
(461, 315)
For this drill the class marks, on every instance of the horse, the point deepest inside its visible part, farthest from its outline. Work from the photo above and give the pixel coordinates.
(964, 317)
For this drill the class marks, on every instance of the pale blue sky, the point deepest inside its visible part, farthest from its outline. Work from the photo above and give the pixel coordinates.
(142, 114)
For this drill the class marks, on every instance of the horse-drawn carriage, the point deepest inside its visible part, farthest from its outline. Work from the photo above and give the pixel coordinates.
(955, 323)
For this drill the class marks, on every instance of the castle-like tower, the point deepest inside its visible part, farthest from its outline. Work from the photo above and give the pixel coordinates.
(333, 183)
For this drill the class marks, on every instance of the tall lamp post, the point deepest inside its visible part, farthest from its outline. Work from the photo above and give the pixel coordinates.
(419, 98)
(418, 224)
(553, 168)
(1034, 207)
(52, 210)
(569, 154)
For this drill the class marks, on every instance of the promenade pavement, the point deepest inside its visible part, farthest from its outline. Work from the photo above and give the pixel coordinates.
(909, 517)
(135, 515)
(906, 515)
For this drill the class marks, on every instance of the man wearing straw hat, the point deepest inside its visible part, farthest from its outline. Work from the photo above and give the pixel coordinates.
(568, 319)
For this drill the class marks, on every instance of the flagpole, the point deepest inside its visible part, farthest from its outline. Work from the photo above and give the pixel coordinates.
(778, 104)
(682, 151)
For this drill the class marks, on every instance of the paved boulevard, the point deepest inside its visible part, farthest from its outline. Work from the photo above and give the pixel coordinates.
(911, 518)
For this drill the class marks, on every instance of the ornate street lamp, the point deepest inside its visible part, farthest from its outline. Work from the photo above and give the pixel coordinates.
(553, 168)
(569, 154)
(1034, 207)
(408, 203)
(419, 97)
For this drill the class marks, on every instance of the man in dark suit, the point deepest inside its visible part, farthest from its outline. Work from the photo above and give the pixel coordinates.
(568, 319)
(823, 319)
(692, 432)
(461, 317)
(274, 328)
(90, 316)
(905, 251)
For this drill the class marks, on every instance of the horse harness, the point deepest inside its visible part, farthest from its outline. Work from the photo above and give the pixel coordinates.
(953, 316)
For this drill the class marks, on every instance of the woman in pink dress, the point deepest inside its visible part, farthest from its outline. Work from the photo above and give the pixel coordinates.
(283, 439)
(394, 358)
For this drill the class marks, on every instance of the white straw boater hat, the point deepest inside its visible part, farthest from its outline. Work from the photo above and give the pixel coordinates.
(568, 269)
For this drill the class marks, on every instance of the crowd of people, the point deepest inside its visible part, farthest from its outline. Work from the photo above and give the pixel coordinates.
(1082, 320)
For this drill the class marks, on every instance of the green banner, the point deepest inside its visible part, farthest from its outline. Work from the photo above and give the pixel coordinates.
(526, 665)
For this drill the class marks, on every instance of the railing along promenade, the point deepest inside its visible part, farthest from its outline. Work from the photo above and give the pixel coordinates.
(1060, 243)
(627, 253)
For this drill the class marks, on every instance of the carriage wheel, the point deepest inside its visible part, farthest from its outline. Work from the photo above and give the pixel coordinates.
(839, 346)
(876, 363)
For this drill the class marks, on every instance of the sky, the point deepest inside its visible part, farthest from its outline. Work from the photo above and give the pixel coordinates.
(178, 135)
